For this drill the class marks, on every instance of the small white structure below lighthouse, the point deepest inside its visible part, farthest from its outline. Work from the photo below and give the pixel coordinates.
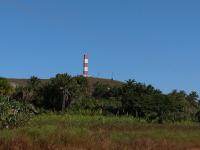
(85, 65)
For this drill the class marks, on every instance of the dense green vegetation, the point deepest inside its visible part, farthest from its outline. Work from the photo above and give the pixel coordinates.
(65, 93)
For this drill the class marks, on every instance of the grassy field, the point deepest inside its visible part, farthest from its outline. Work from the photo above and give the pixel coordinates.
(97, 132)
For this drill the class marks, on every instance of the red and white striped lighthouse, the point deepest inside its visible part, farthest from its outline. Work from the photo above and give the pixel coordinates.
(85, 65)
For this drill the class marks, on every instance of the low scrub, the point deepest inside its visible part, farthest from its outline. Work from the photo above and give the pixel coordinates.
(14, 113)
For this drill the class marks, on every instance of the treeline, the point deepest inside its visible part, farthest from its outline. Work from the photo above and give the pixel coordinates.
(73, 94)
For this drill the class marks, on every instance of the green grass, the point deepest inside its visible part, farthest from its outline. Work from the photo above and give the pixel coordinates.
(99, 132)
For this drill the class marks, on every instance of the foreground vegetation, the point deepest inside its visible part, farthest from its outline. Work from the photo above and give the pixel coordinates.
(66, 112)
(52, 131)
(13, 113)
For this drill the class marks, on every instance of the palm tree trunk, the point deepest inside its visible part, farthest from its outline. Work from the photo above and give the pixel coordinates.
(64, 101)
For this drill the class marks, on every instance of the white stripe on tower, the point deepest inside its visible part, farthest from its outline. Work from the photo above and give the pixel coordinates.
(85, 65)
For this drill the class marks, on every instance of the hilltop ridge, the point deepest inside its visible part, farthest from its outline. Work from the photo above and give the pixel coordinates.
(91, 80)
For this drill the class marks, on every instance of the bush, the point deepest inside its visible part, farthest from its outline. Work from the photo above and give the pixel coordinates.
(5, 87)
(14, 113)
(198, 116)
(101, 106)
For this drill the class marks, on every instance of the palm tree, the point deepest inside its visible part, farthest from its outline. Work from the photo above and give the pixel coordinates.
(68, 87)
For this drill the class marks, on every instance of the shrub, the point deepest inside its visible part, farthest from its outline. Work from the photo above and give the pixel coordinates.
(198, 116)
(5, 87)
(14, 113)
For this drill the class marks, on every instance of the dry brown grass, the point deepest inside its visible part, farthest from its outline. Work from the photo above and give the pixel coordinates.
(54, 132)
(91, 81)
(100, 143)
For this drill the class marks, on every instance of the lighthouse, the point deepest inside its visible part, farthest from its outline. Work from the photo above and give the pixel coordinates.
(85, 65)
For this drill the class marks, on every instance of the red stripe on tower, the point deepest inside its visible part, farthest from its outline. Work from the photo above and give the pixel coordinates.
(85, 65)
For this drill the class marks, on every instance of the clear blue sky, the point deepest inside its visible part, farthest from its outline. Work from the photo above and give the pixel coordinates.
(152, 41)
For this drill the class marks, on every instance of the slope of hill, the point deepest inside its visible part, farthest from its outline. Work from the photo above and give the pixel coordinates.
(91, 80)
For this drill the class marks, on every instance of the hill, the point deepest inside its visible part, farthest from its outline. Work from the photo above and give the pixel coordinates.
(91, 80)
